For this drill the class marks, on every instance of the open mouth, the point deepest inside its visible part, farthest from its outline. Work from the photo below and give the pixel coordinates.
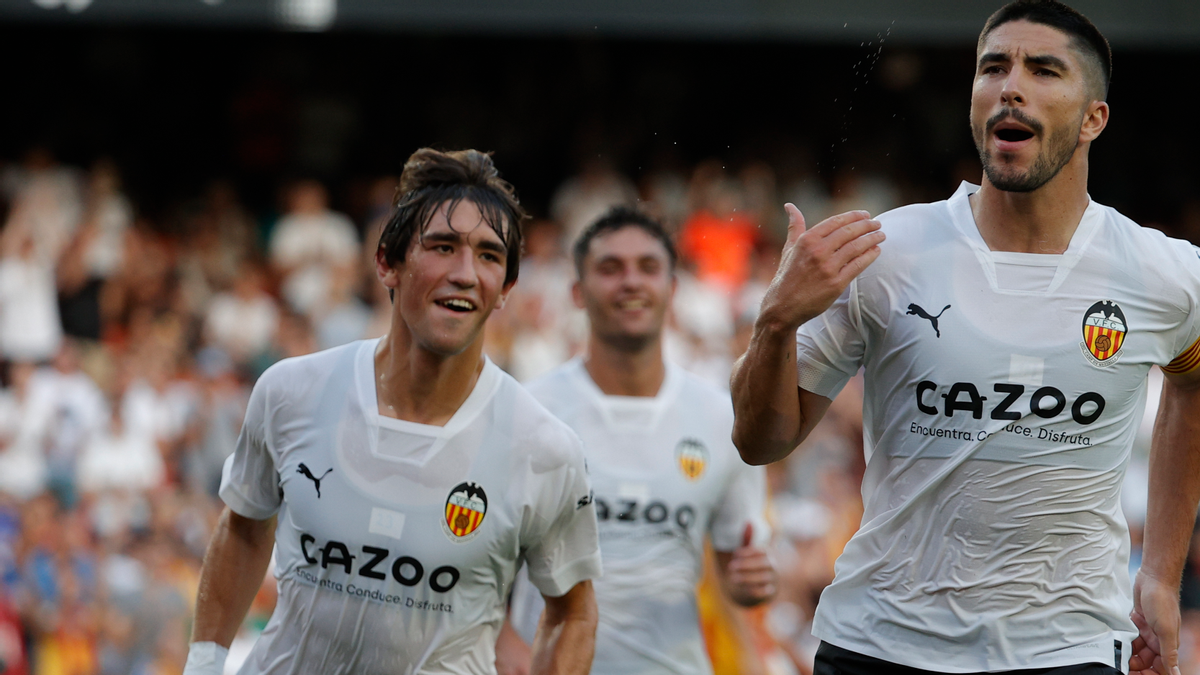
(1014, 135)
(457, 305)
(633, 303)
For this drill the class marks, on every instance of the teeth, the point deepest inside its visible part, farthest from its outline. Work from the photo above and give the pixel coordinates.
(459, 304)
(633, 304)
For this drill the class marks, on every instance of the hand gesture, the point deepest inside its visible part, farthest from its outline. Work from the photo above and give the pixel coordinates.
(750, 574)
(818, 264)
(1156, 615)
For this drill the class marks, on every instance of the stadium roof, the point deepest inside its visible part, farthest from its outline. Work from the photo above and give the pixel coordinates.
(1156, 23)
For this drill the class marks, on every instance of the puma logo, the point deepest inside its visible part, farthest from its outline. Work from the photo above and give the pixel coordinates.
(917, 310)
(316, 481)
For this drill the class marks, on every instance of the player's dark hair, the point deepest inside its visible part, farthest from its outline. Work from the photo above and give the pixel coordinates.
(1085, 37)
(619, 218)
(432, 178)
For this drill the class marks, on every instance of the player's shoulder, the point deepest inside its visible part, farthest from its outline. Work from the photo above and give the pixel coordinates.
(297, 374)
(561, 390)
(1146, 242)
(549, 442)
(702, 394)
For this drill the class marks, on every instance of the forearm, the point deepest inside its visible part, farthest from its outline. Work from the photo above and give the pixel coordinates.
(1174, 488)
(766, 400)
(233, 570)
(566, 636)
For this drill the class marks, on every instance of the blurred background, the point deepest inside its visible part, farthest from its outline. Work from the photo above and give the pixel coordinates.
(191, 190)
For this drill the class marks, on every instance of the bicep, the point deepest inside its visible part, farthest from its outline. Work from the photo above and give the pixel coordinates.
(812, 408)
(578, 601)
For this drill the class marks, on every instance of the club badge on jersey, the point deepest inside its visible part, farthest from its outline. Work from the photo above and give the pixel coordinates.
(466, 507)
(1104, 329)
(692, 458)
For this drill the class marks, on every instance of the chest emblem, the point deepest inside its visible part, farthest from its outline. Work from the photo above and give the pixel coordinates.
(465, 508)
(692, 458)
(1104, 330)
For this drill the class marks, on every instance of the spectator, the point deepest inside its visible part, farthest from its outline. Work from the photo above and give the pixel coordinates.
(309, 244)
(30, 329)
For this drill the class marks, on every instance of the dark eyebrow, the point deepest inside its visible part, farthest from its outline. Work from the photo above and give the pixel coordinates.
(993, 57)
(453, 237)
(1047, 60)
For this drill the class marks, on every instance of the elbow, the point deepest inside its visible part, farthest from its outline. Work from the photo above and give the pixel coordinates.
(753, 451)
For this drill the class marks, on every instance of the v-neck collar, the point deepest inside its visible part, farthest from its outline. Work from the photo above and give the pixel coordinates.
(487, 384)
(612, 409)
(1089, 224)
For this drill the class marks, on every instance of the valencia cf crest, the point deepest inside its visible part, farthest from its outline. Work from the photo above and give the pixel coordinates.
(465, 508)
(1104, 330)
(692, 457)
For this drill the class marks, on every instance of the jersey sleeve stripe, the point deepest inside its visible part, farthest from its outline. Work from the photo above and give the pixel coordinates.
(1186, 362)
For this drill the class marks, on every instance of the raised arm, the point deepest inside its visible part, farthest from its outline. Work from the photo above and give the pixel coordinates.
(772, 415)
(1170, 517)
(233, 570)
(566, 635)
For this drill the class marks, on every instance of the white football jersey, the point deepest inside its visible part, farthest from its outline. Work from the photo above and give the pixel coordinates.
(665, 474)
(397, 542)
(1002, 394)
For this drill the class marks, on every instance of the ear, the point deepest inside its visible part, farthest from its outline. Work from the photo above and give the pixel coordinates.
(1095, 118)
(389, 276)
(577, 295)
(504, 294)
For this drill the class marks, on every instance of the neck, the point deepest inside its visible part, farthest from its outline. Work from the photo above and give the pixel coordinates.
(416, 385)
(1041, 221)
(621, 371)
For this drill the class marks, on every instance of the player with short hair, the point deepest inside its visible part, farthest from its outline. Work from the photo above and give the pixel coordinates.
(663, 468)
(406, 478)
(1006, 335)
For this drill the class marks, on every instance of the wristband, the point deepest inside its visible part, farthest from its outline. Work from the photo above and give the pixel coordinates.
(206, 658)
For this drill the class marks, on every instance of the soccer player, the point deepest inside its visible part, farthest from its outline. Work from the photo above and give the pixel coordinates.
(1006, 335)
(663, 466)
(402, 480)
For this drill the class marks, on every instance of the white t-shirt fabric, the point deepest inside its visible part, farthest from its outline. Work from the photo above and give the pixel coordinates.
(1002, 394)
(397, 542)
(30, 327)
(665, 474)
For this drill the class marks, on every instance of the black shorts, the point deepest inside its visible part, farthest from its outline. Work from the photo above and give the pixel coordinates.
(833, 660)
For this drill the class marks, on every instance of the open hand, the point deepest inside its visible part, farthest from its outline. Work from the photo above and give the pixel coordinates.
(818, 264)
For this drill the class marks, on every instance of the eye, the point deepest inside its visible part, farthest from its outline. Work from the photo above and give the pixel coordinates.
(490, 257)
(1045, 72)
(992, 70)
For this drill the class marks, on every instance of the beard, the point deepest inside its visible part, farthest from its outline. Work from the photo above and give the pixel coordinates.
(1057, 150)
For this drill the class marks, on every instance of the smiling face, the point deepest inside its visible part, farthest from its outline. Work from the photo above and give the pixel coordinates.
(1032, 105)
(450, 280)
(626, 285)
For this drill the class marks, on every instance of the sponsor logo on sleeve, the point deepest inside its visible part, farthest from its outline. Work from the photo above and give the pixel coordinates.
(466, 507)
(692, 457)
(1104, 330)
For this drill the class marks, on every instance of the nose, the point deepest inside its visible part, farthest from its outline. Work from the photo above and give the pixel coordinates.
(462, 271)
(1010, 94)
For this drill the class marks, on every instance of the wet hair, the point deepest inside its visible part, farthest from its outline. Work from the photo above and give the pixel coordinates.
(1085, 37)
(432, 178)
(619, 218)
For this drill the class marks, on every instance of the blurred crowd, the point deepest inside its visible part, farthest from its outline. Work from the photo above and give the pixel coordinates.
(129, 347)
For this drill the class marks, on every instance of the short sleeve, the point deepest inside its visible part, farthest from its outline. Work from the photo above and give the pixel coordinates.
(560, 539)
(744, 503)
(829, 349)
(1187, 359)
(249, 480)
